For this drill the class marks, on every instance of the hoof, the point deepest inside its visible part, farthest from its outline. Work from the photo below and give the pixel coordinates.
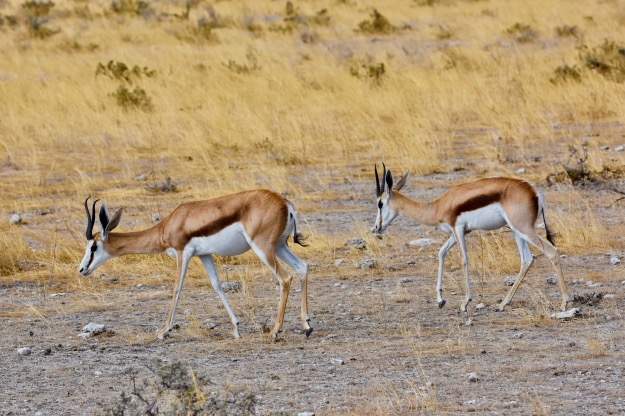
(441, 303)
(308, 332)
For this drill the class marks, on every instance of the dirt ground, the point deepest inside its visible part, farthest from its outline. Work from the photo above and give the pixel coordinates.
(380, 343)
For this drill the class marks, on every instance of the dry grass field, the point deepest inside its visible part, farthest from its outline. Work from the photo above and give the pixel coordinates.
(146, 105)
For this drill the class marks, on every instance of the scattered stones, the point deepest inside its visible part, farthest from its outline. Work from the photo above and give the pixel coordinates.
(24, 351)
(411, 262)
(156, 218)
(421, 242)
(338, 262)
(605, 147)
(619, 148)
(614, 260)
(480, 306)
(520, 171)
(356, 243)
(552, 280)
(472, 377)
(231, 286)
(15, 219)
(518, 335)
(509, 281)
(366, 264)
(406, 280)
(306, 414)
(92, 329)
(571, 313)
(337, 361)
(590, 283)
(469, 322)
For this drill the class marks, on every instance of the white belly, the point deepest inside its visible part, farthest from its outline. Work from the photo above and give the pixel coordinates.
(490, 217)
(230, 241)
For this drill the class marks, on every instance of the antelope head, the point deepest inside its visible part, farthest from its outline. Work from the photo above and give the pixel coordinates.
(96, 253)
(384, 198)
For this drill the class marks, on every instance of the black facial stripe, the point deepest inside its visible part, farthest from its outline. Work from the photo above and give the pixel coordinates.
(90, 260)
(94, 247)
(380, 204)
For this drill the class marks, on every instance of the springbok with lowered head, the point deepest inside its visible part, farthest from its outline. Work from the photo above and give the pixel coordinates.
(227, 226)
(484, 204)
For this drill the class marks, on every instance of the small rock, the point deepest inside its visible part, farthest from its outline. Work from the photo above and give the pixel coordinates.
(551, 280)
(614, 260)
(306, 414)
(15, 219)
(231, 286)
(411, 262)
(571, 313)
(356, 243)
(24, 351)
(518, 335)
(520, 171)
(480, 306)
(619, 148)
(469, 322)
(421, 242)
(470, 402)
(156, 218)
(97, 373)
(338, 262)
(472, 377)
(509, 281)
(605, 147)
(366, 264)
(93, 329)
(405, 280)
(337, 361)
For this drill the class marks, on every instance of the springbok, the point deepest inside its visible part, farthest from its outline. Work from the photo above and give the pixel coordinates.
(484, 204)
(227, 226)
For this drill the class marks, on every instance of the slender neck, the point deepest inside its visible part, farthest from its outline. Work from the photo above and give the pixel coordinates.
(424, 212)
(139, 242)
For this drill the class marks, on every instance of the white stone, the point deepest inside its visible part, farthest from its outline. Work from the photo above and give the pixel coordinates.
(619, 148)
(469, 322)
(473, 377)
(306, 414)
(571, 313)
(337, 361)
(24, 351)
(356, 243)
(521, 171)
(480, 306)
(421, 242)
(94, 329)
(338, 262)
(605, 147)
(614, 260)
(509, 281)
(15, 219)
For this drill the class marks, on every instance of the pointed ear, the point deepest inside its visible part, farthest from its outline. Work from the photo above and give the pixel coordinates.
(389, 181)
(104, 220)
(402, 181)
(114, 221)
(377, 182)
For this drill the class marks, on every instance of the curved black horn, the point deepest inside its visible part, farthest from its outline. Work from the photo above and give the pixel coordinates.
(90, 219)
(378, 192)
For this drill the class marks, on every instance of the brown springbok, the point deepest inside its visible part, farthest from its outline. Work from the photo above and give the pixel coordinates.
(227, 226)
(484, 204)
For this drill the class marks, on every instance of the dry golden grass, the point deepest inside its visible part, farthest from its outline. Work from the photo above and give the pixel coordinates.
(301, 106)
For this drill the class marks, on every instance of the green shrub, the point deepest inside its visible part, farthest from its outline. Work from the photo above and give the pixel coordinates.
(378, 24)
(136, 98)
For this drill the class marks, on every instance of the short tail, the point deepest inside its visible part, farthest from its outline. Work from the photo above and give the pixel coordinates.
(550, 235)
(297, 237)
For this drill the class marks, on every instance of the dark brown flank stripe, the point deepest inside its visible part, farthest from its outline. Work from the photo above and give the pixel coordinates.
(216, 226)
(475, 203)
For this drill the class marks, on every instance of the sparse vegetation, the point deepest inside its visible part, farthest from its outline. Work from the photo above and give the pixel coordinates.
(145, 105)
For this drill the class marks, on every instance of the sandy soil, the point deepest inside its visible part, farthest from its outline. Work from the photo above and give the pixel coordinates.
(380, 345)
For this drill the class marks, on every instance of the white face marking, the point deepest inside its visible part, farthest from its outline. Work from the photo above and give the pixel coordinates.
(230, 241)
(490, 217)
(385, 214)
(94, 257)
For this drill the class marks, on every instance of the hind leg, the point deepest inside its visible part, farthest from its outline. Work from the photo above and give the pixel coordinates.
(301, 268)
(526, 262)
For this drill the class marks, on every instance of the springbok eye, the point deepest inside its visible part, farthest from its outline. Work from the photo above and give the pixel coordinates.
(380, 204)
(94, 247)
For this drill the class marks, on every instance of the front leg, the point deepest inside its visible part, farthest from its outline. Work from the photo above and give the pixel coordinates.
(441, 260)
(182, 265)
